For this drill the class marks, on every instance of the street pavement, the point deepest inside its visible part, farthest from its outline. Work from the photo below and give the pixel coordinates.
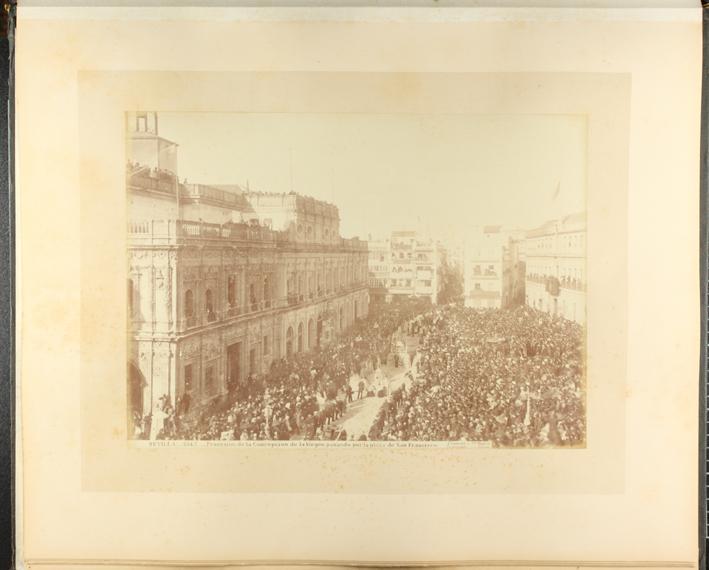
(360, 414)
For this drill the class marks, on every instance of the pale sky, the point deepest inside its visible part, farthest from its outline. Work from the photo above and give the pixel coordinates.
(441, 172)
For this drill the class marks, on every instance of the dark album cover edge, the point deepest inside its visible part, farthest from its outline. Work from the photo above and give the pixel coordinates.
(7, 291)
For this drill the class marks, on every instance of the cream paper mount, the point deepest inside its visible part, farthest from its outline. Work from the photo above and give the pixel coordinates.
(89, 494)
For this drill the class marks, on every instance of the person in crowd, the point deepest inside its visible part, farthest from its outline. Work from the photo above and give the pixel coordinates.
(360, 389)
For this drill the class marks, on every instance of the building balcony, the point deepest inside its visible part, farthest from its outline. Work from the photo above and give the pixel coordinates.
(401, 288)
(573, 286)
(143, 178)
(260, 306)
(535, 278)
(174, 232)
(210, 194)
(483, 294)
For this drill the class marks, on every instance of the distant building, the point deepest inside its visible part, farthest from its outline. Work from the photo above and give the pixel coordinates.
(379, 269)
(406, 265)
(455, 254)
(223, 280)
(491, 267)
(556, 267)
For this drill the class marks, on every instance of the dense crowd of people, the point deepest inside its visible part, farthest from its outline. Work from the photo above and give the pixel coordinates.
(514, 378)
(298, 397)
(510, 377)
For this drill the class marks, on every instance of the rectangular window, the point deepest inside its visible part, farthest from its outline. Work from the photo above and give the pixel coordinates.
(252, 297)
(267, 291)
(266, 345)
(231, 290)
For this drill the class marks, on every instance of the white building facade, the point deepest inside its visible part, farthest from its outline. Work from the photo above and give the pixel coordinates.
(555, 255)
(490, 260)
(406, 265)
(379, 269)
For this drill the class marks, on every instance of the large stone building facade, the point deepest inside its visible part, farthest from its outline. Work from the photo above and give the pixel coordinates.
(556, 267)
(222, 280)
(544, 267)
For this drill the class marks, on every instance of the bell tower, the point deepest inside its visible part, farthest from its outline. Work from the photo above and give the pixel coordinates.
(144, 122)
(146, 147)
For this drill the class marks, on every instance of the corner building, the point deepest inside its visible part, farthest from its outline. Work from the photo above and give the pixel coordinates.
(223, 280)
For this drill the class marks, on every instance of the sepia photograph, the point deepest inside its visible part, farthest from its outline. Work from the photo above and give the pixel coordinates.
(356, 277)
(323, 281)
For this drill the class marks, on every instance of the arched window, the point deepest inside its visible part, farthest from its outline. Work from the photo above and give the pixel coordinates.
(267, 291)
(253, 301)
(130, 299)
(291, 287)
(311, 333)
(289, 341)
(209, 305)
(136, 382)
(189, 303)
(300, 337)
(231, 291)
